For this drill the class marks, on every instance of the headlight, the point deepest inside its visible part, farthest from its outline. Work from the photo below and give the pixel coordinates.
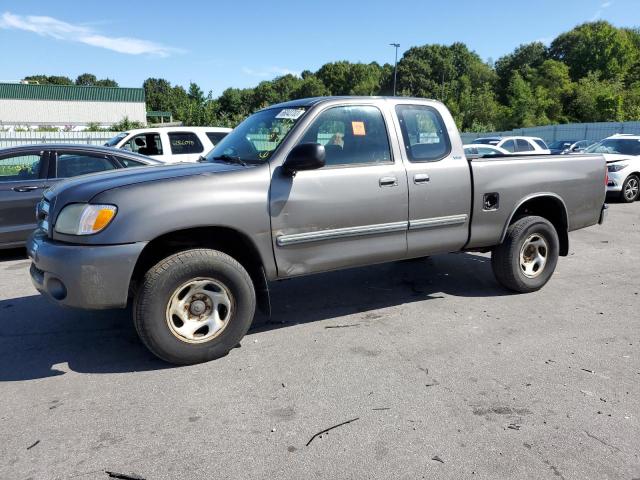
(616, 167)
(84, 219)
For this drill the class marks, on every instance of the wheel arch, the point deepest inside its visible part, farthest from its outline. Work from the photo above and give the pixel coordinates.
(225, 239)
(547, 205)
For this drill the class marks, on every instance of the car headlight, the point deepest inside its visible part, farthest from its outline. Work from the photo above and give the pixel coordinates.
(84, 218)
(616, 167)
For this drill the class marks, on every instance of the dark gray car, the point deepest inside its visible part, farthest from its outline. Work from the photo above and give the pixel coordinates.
(25, 171)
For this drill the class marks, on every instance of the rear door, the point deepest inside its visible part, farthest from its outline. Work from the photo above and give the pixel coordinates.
(353, 211)
(439, 180)
(22, 180)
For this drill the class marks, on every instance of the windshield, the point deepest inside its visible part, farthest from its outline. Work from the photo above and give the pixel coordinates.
(561, 144)
(255, 139)
(115, 140)
(625, 146)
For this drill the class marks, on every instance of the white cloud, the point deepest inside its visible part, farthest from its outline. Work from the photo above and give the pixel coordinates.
(60, 30)
(269, 72)
(603, 5)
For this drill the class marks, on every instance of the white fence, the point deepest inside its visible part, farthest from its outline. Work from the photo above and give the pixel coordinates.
(10, 139)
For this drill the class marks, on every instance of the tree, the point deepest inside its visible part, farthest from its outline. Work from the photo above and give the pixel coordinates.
(523, 60)
(596, 47)
(86, 79)
(598, 100)
(49, 80)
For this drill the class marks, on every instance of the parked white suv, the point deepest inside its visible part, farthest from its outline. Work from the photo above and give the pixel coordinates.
(170, 144)
(622, 153)
(520, 145)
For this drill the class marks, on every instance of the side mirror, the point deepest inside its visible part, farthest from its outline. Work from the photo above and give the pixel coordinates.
(306, 156)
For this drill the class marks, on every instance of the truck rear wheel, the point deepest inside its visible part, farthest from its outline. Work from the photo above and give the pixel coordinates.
(526, 259)
(194, 306)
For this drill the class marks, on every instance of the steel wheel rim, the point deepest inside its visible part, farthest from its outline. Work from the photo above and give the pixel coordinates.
(199, 310)
(533, 255)
(631, 189)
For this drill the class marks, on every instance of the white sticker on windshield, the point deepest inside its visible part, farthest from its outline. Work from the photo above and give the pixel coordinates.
(292, 113)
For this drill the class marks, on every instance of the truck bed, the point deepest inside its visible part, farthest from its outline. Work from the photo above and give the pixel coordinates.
(576, 181)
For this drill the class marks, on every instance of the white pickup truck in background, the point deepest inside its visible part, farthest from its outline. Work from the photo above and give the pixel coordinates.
(170, 144)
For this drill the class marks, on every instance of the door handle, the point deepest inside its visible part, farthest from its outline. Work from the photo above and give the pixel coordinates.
(420, 178)
(388, 182)
(25, 188)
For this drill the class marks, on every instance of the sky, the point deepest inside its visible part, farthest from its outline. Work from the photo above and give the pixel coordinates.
(221, 44)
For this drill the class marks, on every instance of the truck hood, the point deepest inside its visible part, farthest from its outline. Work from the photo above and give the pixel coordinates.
(84, 188)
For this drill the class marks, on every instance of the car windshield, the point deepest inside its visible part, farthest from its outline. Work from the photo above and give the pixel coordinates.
(115, 140)
(625, 146)
(255, 139)
(487, 141)
(561, 144)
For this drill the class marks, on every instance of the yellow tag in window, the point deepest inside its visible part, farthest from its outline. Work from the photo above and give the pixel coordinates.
(358, 128)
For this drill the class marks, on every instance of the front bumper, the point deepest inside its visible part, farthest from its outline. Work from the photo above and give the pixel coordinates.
(83, 276)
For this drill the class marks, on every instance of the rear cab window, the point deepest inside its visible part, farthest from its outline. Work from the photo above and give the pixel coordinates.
(424, 133)
(184, 143)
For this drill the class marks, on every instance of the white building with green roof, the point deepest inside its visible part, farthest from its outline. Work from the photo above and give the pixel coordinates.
(68, 106)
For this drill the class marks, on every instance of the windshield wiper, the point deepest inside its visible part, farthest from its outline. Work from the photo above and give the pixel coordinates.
(230, 159)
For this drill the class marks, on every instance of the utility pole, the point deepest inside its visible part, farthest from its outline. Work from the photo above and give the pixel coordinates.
(395, 67)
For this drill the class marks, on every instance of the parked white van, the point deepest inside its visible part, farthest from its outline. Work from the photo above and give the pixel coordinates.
(170, 144)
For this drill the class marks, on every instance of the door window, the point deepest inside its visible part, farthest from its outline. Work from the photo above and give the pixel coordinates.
(145, 144)
(20, 167)
(425, 136)
(184, 143)
(523, 145)
(509, 146)
(354, 135)
(127, 162)
(72, 164)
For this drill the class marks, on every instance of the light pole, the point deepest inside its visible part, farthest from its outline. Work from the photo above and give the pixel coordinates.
(395, 67)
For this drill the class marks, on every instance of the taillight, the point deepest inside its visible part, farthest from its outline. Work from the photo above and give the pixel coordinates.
(606, 177)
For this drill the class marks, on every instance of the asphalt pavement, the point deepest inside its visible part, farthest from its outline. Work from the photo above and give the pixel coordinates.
(426, 369)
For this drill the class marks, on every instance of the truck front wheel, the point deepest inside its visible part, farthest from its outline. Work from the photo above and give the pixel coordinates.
(526, 259)
(194, 306)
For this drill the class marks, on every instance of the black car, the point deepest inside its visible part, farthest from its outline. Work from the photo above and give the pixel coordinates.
(568, 146)
(25, 171)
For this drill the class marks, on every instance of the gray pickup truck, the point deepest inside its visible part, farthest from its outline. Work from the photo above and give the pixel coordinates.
(302, 187)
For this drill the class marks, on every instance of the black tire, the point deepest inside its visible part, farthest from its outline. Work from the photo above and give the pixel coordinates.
(632, 182)
(505, 258)
(159, 287)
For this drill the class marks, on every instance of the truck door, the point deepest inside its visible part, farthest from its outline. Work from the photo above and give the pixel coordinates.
(352, 211)
(439, 180)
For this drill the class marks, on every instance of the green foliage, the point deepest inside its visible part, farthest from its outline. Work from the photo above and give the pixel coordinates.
(90, 80)
(125, 124)
(49, 80)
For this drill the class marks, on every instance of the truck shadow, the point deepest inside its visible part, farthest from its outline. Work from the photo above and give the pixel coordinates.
(39, 339)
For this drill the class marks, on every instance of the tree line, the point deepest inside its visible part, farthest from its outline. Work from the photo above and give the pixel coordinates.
(589, 74)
